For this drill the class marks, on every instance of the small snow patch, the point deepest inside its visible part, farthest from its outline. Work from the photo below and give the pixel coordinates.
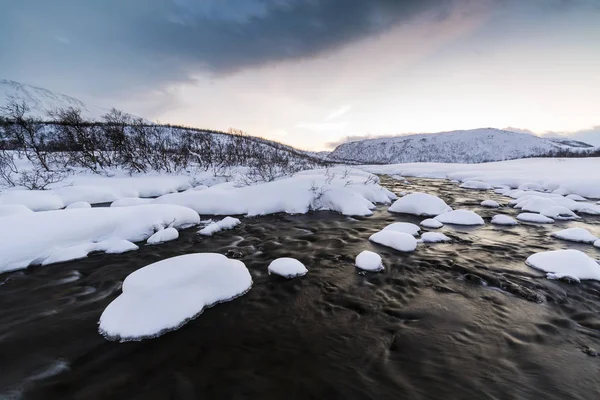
(369, 261)
(434, 237)
(287, 267)
(572, 264)
(476, 185)
(400, 241)
(431, 223)
(405, 227)
(597, 243)
(460, 217)
(576, 235)
(164, 235)
(490, 204)
(420, 204)
(501, 219)
(534, 218)
(225, 223)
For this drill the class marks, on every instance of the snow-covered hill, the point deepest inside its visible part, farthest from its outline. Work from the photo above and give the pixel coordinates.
(41, 100)
(470, 146)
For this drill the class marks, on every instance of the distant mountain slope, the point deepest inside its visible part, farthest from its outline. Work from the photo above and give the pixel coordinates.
(41, 100)
(469, 146)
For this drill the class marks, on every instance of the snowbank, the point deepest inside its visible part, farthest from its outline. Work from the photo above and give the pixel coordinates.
(163, 296)
(79, 204)
(349, 192)
(369, 261)
(565, 264)
(460, 217)
(534, 218)
(34, 237)
(130, 201)
(396, 240)
(576, 235)
(420, 204)
(405, 227)
(225, 223)
(163, 235)
(35, 200)
(287, 267)
(11, 209)
(490, 204)
(501, 219)
(559, 212)
(434, 237)
(431, 223)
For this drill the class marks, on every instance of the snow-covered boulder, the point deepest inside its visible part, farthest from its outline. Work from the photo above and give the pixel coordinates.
(501, 219)
(405, 227)
(434, 237)
(576, 197)
(572, 264)
(11, 209)
(490, 204)
(431, 223)
(475, 185)
(225, 223)
(287, 267)
(369, 261)
(400, 241)
(167, 294)
(534, 218)
(78, 204)
(163, 235)
(460, 217)
(559, 212)
(597, 243)
(581, 235)
(420, 204)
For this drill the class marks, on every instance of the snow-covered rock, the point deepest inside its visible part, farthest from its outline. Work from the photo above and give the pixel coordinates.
(576, 197)
(405, 227)
(431, 223)
(36, 236)
(287, 267)
(10, 209)
(501, 219)
(559, 212)
(420, 204)
(214, 227)
(400, 241)
(167, 294)
(581, 235)
(572, 264)
(434, 237)
(490, 204)
(78, 204)
(163, 235)
(369, 261)
(534, 218)
(597, 243)
(475, 185)
(460, 217)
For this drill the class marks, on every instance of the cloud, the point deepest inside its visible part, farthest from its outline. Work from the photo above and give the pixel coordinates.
(338, 113)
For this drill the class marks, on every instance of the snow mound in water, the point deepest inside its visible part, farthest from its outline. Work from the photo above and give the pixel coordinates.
(534, 218)
(58, 230)
(369, 261)
(576, 197)
(405, 227)
(559, 212)
(434, 237)
(225, 223)
(111, 246)
(11, 209)
(460, 217)
(165, 295)
(420, 204)
(490, 204)
(501, 219)
(597, 243)
(79, 204)
(164, 235)
(576, 235)
(476, 185)
(431, 223)
(565, 264)
(287, 267)
(130, 201)
(400, 241)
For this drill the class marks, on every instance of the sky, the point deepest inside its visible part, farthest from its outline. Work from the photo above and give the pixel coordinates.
(316, 73)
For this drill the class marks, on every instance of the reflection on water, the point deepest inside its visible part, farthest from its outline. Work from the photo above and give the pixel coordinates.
(460, 320)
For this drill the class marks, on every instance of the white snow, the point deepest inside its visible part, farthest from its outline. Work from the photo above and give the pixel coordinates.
(35, 200)
(11, 209)
(460, 217)
(534, 218)
(559, 212)
(167, 294)
(163, 235)
(597, 243)
(405, 227)
(490, 204)
(431, 223)
(225, 223)
(581, 235)
(130, 201)
(79, 204)
(287, 267)
(420, 204)
(34, 237)
(572, 264)
(434, 237)
(501, 219)
(400, 241)
(369, 261)
(476, 185)
(576, 197)
(111, 246)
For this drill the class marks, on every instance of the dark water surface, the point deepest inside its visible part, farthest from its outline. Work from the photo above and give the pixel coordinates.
(463, 320)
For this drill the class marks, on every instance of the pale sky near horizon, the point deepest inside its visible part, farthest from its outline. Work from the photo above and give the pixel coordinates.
(315, 72)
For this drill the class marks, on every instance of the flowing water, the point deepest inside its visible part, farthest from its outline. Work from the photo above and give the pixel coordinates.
(460, 320)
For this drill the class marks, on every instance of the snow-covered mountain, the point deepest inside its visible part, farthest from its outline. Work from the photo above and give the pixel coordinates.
(469, 146)
(41, 100)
